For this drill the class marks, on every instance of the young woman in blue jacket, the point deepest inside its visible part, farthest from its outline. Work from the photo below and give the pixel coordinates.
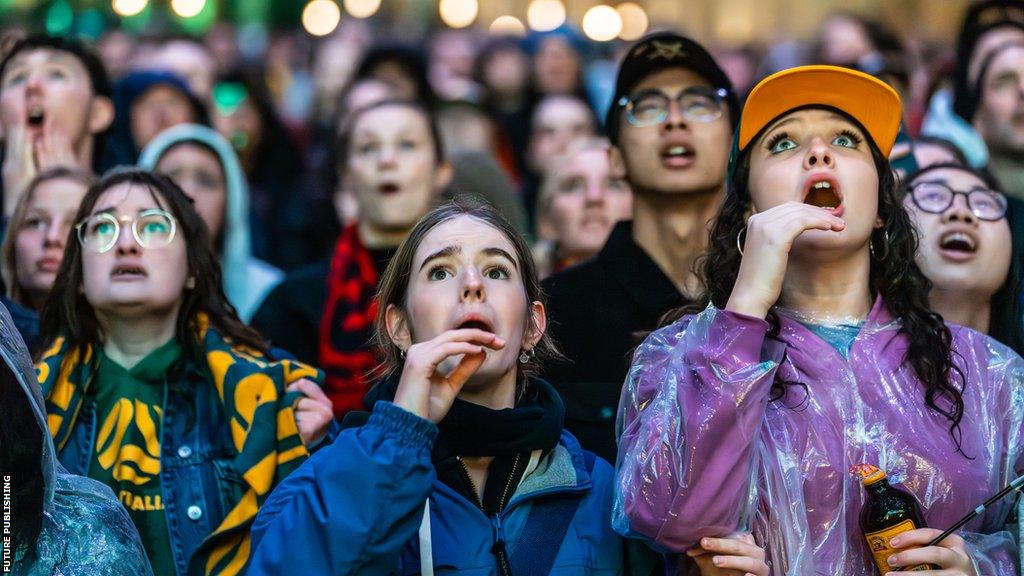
(463, 466)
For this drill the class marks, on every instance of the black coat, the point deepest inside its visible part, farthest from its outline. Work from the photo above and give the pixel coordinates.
(598, 312)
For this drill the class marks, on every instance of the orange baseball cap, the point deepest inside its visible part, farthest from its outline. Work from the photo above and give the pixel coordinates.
(865, 98)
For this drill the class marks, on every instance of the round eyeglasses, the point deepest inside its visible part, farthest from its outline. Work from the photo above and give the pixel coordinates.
(937, 197)
(697, 103)
(153, 228)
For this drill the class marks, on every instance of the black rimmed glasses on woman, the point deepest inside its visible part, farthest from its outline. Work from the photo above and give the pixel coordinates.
(936, 197)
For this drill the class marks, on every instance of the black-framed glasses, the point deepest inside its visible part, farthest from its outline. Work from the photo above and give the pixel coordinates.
(152, 228)
(936, 197)
(696, 103)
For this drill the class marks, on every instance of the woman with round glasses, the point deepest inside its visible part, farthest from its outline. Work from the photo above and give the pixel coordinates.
(156, 388)
(817, 351)
(967, 250)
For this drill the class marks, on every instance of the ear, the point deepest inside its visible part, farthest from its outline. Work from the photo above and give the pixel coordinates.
(879, 223)
(101, 114)
(443, 177)
(398, 327)
(538, 324)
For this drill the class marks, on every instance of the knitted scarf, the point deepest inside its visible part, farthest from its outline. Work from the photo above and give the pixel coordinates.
(263, 429)
(347, 323)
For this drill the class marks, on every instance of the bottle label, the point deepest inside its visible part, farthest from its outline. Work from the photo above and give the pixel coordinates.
(878, 543)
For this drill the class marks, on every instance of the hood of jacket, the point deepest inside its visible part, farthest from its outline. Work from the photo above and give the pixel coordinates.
(247, 280)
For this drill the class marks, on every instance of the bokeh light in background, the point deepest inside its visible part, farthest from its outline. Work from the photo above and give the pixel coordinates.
(507, 26)
(458, 13)
(634, 21)
(321, 17)
(188, 8)
(59, 17)
(545, 15)
(602, 23)
(128, 7)
(362, 8)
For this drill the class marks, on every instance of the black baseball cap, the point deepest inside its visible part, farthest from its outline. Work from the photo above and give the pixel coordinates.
(658, 52)
(979, 19)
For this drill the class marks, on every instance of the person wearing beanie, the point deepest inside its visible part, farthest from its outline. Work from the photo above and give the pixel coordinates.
(670, 126)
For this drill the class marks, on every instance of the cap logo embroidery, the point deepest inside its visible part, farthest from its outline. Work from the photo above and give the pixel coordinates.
(995, 14)
(667, 50)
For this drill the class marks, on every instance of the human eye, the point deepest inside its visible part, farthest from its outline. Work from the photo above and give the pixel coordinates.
(34, 223)
(497, 272)
(16, 77)
(781, 142)
(571, 185)
(847, 139)
(407, 144)
(438, 273)
(366, 148)
(56, 73)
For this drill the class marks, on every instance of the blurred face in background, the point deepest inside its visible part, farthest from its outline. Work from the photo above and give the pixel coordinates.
(557, 121)
(157, 109)
(392, 169)
(581, 200)
(198, 171)
(190, 60)
(843, 40)
(238, 119)
(42, 234)
(1000, 115)
(506, 73)
(556, 67)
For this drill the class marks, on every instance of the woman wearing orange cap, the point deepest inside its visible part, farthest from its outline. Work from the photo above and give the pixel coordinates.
(817, 351)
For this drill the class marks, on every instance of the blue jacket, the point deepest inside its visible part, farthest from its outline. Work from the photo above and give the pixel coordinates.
(356, 507)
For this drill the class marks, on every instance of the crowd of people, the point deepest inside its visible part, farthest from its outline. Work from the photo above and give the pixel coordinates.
(513, 306)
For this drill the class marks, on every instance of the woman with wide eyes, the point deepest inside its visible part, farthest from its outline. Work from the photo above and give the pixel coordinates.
(817, 351)
(34, 244)
(967, 249)
(463, 466)
(156, 388)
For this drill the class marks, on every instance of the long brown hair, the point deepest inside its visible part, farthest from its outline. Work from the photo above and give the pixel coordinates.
(394, 284)
(9, 252)
(67, 312)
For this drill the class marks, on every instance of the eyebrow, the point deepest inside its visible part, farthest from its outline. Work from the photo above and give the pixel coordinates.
(112, 209)
(502, 254)
(780, 123)
(442, 253)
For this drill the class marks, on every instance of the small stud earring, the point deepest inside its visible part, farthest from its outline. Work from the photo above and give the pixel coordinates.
(524, 356)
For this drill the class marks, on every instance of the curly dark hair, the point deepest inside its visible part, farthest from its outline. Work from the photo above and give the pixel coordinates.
(67, 313)
(894, 275)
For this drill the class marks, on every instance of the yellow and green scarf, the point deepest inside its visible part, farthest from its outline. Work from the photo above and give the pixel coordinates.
(252, 391)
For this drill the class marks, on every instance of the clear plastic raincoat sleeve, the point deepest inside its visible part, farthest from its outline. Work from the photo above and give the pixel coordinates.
(703, 452)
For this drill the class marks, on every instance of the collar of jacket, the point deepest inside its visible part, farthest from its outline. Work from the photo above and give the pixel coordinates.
(648, 287)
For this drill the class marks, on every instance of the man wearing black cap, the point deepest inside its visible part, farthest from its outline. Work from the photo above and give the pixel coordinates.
(54, 106)
(671, 124)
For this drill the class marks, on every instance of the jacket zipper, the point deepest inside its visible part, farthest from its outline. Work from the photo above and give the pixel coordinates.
(498, 549)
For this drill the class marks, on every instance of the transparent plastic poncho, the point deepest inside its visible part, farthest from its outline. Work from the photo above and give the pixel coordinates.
(85, 531)
(703, 452)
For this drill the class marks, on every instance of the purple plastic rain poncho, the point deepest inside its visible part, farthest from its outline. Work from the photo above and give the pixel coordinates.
(702, 452)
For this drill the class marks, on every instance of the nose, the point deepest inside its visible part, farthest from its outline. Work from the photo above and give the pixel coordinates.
(473, 286)
(595, 192)
(34, 81)
(818, 155)
(959, 211)
(56, 233)
(675, 119)
(387, 156)
(126, 243)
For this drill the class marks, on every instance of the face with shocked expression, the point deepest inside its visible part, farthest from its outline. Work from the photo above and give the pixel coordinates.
(465, 274)
(821, 158)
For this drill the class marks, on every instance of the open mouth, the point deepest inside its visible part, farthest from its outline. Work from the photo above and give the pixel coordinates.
(477, 323)
(128, 271)
(388, 188)
(823, 195)
(958, 243)
(677, 155)
(35, 116)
